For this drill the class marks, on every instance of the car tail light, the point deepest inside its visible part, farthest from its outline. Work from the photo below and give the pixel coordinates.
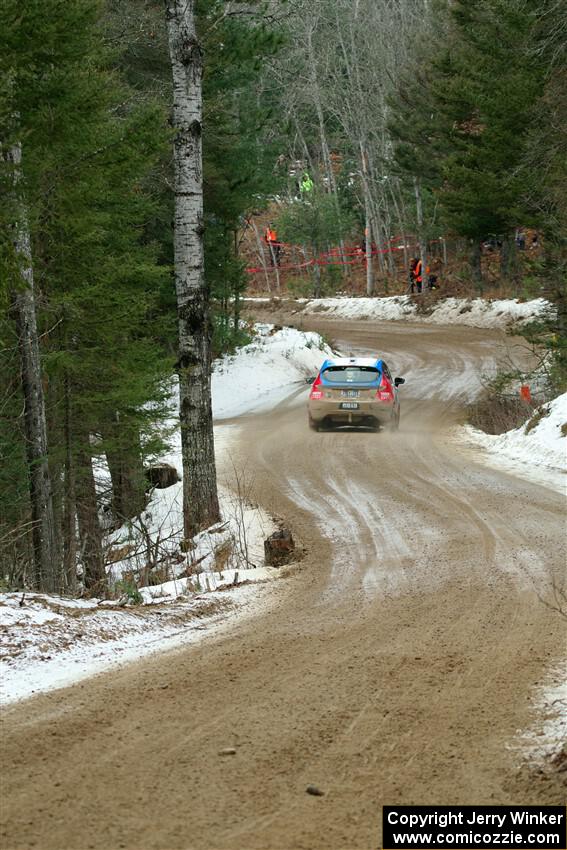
(316, 389)
(385, 391)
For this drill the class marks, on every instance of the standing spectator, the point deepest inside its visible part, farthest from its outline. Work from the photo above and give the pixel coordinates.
(306, 184)
(413, 265)
(271, 237)
(418, 275)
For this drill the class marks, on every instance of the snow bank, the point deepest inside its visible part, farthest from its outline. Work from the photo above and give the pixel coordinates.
(480, 313)
(396, 308)
(44, 647)
(542, 442)
(258, 376)
(213, 557)
(476, 312)
(263, 373)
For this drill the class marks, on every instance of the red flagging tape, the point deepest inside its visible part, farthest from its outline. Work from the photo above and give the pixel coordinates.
(328, 258)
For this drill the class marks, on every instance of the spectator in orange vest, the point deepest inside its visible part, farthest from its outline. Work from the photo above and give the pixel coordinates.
(412, 268)
(273, 244)
(418, 275)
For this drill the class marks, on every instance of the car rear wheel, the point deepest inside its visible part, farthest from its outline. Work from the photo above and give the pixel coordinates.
(315, 426)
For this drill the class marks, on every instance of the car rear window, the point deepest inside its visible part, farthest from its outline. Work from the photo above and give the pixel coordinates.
(351, 374)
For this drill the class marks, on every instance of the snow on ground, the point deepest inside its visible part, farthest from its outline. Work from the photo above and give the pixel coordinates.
(549, 732)
(538, 449)
(263, 373)
(48, 641)
(478, 312)
(396, 308)
(81, 641)
(269, 369)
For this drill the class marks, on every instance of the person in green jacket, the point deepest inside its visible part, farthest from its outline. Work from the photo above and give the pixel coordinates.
(306, 184)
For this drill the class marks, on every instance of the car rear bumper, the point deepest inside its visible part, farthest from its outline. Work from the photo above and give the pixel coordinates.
(334, 411)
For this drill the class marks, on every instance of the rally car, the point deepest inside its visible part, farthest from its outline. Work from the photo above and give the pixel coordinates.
(354, 391)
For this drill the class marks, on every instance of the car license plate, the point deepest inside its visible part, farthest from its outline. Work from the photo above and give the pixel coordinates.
(350, 393)
(349, 405)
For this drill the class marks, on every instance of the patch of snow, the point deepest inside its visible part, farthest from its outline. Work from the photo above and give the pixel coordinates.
(204, 582)
(271, 368)
(549, 734)
(235, 543)
(543, 447)
(266, 371)
(57, 655)
(480, 313)
(476, 312)
(395, 308)
(28, 617)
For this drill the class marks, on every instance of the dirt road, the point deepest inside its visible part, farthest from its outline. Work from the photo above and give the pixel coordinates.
(396, 666)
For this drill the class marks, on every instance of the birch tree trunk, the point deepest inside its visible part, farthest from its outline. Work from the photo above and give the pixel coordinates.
(325, 149)
(200, 499)
(47, 567)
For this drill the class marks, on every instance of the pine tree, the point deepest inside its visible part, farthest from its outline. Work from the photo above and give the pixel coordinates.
(239, 149)
(545, 177)
(485, 94)
(90, 149)
(32, 47)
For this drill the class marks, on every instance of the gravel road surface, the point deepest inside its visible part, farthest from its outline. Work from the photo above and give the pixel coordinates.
(395, 666)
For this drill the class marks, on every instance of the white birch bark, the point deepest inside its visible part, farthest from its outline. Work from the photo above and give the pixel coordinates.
(47, 567)
(200, 499)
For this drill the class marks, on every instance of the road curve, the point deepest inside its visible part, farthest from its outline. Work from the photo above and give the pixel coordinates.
(396, 665)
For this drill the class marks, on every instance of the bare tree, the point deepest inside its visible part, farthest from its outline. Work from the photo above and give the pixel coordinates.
(47, 567)
(339, 77)
(200, 499)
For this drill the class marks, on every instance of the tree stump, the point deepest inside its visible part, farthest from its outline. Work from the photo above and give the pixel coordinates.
(162, 475)
(279, 548)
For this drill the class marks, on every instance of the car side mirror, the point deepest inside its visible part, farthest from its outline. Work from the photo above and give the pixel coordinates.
(398, 381)
(310, 380)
